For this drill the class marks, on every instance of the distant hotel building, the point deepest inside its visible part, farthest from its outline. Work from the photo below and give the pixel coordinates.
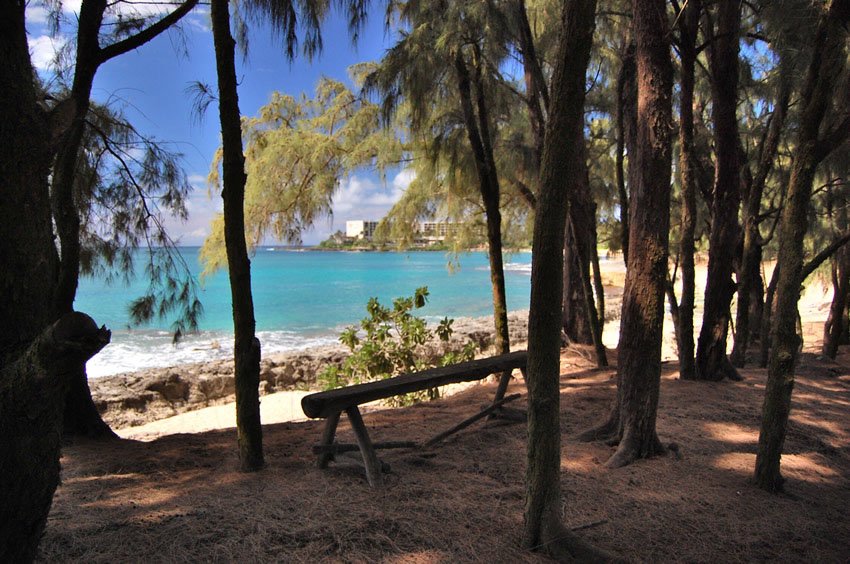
(426, 231)
(360, 229)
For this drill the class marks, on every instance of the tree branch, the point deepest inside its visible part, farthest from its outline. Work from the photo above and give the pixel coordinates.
(139, 39)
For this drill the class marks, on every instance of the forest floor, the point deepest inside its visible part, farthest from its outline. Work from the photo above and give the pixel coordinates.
(180, 497)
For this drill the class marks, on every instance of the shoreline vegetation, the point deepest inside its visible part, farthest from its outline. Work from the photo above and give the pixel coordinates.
(136, 398)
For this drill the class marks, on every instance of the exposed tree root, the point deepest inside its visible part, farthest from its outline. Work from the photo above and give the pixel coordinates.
(560, 543)
(631, 449)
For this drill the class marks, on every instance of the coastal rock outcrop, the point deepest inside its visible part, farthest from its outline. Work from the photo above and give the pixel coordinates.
(130, 399)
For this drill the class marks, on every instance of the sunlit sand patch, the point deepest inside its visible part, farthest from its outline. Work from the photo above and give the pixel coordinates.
(731, 432)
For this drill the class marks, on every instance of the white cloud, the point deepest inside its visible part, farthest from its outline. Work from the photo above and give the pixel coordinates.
(36, 14)
(43, 50)
(403, 179)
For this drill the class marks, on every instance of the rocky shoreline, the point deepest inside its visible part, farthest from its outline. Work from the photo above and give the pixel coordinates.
(136, 398)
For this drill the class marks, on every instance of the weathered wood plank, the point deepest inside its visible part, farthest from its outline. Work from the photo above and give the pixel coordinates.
(327, 440)
(370, 458)
(325, 404)
(340, 448)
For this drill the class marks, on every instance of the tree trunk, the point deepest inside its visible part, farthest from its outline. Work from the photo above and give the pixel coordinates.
(544, 529)
(581, 320)
(711, 360)
(246, 345)
(826, 64)
(835, 328)
(689, 26)
(33, 386)
(81, 417)
(29, 448)
(574, 319)
(632, 421)
(749, 278)
(626, 135)
(478, 132)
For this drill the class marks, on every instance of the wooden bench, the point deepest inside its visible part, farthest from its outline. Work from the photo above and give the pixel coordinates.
(329, 405)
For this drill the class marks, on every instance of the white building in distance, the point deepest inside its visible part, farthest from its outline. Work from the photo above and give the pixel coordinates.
(360, 229)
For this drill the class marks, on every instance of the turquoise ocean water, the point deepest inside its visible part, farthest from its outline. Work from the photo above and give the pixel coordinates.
(302, 298)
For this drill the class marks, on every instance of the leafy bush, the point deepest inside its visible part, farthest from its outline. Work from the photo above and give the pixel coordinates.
(391, 341)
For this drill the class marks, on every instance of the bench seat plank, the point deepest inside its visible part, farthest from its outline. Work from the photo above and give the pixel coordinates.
(326, 404)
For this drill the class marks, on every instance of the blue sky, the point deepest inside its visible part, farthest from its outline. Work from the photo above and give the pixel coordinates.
(150, 84)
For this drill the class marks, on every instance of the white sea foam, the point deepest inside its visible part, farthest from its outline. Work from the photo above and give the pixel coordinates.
(131, 351)
(524, 267)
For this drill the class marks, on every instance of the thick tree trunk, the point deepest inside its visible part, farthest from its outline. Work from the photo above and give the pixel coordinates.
(688, 25)
(711, 360)
(29, 447)
(33, 386)
(27, 253)
(632, 421)
(544, 529)
(828, 60)
(246, 345)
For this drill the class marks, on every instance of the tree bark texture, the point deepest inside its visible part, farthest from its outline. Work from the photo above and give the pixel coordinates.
(688, 26)
(543, 529)
(711, 360)
(828, 60)
(27, 252)
(33, 385)
(632, 420)
(246, 345)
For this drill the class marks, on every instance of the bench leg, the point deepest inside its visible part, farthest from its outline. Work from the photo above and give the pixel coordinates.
(370, 458)
(328, 439)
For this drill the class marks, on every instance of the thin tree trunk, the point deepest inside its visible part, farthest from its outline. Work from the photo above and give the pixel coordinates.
(749, 280)
(81, 417)
(835, 329)
(478, 132)
(632, 420)
(827, 62)
(574, 319)
(626, 134)
(246, 345)
(689, 24)
(544, 529)
(711, 360)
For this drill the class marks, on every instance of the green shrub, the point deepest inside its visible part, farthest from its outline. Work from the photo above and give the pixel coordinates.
(391, 341)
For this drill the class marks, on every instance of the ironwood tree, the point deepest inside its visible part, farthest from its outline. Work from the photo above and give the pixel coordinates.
(688, 18)
(544, 529)
(817, 137)
(43, 345)
(711, 360)
(246, 350)
(631, 423)
(68, 201)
